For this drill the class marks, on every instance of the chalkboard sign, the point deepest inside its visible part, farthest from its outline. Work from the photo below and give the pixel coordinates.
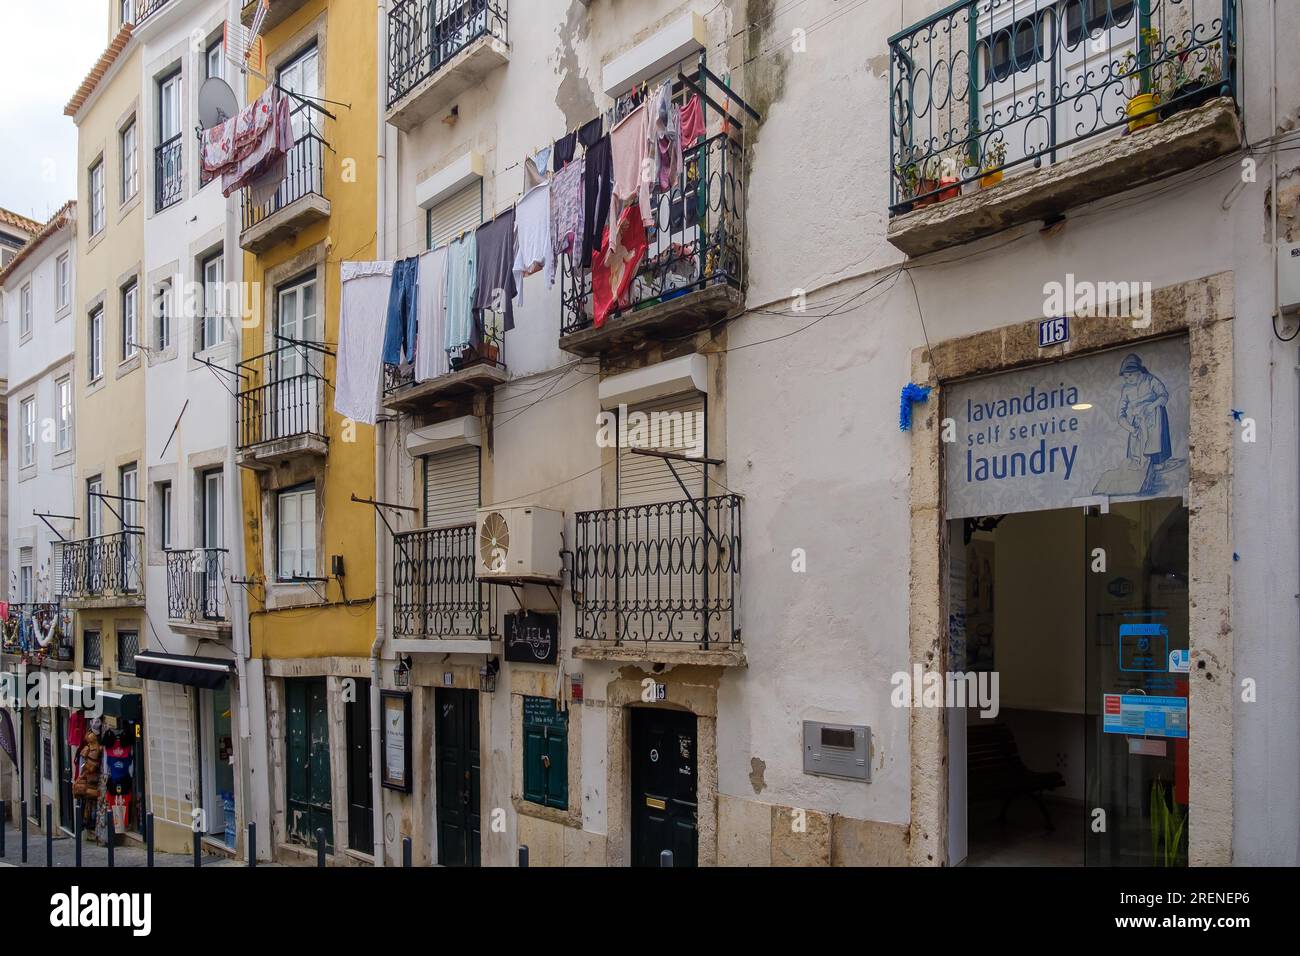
(542, 712)
(532, 638)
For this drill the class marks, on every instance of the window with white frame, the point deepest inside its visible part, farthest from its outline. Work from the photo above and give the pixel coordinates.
(165, 514)
(28, 419)
(97, 198)
(25, 575)
(162, 309)
(130, 320)
(296, 533)
(214, 284)
(96, 363)
(127, 8)
(130, 163)
(63, 436)
(215, 61)
(63, 270)
(25, 311)
(94, 507)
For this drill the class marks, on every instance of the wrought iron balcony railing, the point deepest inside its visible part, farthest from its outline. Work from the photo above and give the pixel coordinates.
(105, 566)
(168, 175)
(489, 348)
(147, 8)
(196, 585)
(435, 593)
(660, 573)
(696, 237)
(283, 395)
(38, 628)
(985, 87)
(423, 35)
(303, 176)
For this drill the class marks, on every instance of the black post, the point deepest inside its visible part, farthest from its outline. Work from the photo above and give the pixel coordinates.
(251, 849)
(665, 858)
(22, 828)
(406, 852)
(76, 830)
(523, 857)
(49, 835)
(4, 825)
(320, 846)
(148, 840)
(198, 849)
(110, 835)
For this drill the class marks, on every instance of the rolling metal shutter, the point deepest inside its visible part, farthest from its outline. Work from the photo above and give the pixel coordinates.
(171, 747)
(451, 487)
(674, 424)
(457, 213)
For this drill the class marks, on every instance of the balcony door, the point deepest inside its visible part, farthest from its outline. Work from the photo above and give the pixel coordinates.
(301, 76)
(297, 392)
(213, 516)
(131, 537)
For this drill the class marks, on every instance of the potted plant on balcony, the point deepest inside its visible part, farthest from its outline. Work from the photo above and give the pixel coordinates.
(939, 181)
(907, 179)
(1185, 87)
(995, 155)
(1135, 70)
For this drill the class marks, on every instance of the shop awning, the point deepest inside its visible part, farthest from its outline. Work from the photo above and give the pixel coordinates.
(111, 703)
(208, 672)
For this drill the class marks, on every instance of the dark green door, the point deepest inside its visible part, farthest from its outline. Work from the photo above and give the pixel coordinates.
(663, 786)
(361, 804)
(308, 763)
(457, 753)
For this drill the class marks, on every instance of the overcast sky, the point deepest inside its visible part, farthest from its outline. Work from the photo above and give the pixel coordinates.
(46, 49)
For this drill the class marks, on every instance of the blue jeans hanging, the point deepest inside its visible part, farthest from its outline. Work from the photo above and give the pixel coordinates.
(399, 332)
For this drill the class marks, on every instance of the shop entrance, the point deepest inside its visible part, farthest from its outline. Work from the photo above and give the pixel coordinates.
(458, 813)
(1082, 615)
(664, 773)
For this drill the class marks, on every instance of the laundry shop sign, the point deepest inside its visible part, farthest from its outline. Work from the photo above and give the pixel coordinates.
(1112, 425)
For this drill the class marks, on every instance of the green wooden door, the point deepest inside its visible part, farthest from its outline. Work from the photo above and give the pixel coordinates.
(309, 805)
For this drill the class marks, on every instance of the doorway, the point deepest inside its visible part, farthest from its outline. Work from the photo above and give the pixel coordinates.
(307, 762)
(216, 763)
(361, 804)
(457, 755)
(664, 772)
(1082, 615)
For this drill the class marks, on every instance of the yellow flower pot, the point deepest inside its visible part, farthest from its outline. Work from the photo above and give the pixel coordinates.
(1142, 103)
(991, 179)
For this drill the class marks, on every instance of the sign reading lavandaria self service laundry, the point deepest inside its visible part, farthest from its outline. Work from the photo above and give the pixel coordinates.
(1113, 425)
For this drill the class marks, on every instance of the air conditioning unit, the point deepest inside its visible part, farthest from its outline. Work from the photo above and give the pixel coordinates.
(522, 543)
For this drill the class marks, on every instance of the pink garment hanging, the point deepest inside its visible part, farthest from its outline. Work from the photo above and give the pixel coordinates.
(692, 121)
(634, 165)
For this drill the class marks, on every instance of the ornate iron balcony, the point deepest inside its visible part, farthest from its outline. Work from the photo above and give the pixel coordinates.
(168, 173)
(991, 86)
(303, 176)
(490, 350)
(38, 629)
(283, 397)
(696, 239)
(196, 586)
(424, 34)
(435, 593)
(105, 566)
(660, 573)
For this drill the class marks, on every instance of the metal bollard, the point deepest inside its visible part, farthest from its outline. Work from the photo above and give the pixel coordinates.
(148, 840)
(49, 835)
(22, 828)
(198, 848)
(251, 849)
(406, 853)
(110, 837)
(76, 830)
(665, 858)
(320, 846)
(523, 857)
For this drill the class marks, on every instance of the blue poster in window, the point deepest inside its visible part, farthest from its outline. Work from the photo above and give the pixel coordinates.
(1143, 647)
(1138, 715)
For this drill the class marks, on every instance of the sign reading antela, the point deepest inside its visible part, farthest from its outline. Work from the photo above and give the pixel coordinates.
(1113, 424)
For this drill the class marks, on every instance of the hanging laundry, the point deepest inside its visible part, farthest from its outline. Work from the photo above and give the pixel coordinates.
(563, 150)
(496, 288)
(665, 135)
(566, 210)
(692, 121)
(363, 319)
(597, 191)
(534, 251)
(430, 355)
(615, 265)
(590, 132)
(254, 161)
(537, 168)
(630, 146)
(399, 337)
(461, 278)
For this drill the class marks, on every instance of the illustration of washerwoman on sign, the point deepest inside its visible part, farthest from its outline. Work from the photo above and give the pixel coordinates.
(1141, 412)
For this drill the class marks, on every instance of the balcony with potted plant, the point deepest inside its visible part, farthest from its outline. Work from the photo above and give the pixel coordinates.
(472, 367)
(1015, 99)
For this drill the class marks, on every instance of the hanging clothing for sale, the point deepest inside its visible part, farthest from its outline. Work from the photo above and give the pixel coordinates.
(630, 147)
(459, 285)
(119, 765)
(431, 306)
(597, 191)
(76, 729)
(589, 133)
(363, 322)
(533, 249)
(496, 274)
(615, 264)
(566, 210)
(692, 121)
(563, 150)
(401, 326)
(665, 135)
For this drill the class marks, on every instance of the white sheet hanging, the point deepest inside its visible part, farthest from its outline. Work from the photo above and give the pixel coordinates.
(362, 320)
(431, 312)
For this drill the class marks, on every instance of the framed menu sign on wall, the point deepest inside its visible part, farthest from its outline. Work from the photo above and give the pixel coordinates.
(395, 714)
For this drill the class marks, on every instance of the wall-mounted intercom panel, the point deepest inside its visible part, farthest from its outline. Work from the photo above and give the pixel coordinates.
(837, 750)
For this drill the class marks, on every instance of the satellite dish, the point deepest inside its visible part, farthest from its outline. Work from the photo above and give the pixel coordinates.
(217, 102)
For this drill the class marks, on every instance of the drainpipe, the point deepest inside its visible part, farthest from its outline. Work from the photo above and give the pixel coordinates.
(381, 430)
